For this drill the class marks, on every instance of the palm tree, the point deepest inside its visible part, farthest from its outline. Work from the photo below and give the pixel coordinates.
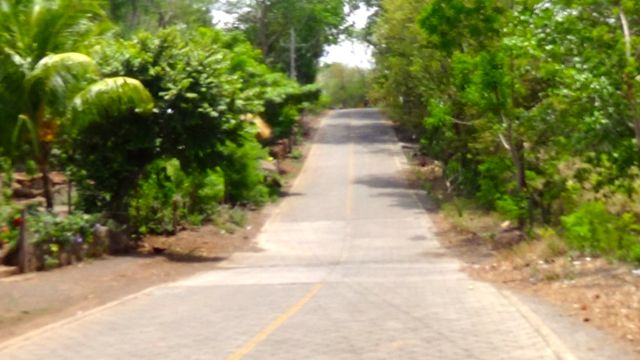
(63, 95)
(44, 89)
(31, 30)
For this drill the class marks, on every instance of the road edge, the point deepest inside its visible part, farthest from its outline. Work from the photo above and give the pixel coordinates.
(556, 345)
(19, 340)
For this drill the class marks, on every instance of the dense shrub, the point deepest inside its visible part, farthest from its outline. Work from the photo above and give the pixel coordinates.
(167, 197)
(107, 159)
(203, 82)
(61, 240)
(244, 181)
(283, 107)
(344, 86)
(593, 229)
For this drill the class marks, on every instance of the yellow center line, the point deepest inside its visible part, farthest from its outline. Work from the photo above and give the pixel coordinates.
(275, 324)
(350, 179)
(349, 203)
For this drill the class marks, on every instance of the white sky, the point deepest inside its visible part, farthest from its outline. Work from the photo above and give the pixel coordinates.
(349, 52)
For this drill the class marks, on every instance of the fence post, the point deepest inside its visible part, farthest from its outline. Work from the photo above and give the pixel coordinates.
(24, 248)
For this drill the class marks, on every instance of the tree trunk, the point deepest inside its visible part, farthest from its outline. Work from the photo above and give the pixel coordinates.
(135, 12)
(516, 150)
(263, 34)
(628, 79)
(43, 164)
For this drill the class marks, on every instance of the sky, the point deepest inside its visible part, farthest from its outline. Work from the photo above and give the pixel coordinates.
(349, 52)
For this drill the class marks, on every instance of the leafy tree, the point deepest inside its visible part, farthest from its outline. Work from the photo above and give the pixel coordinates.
(278, 26)
(151, 15)
(344, 86)
(203, 83)
(35, 87)
(513, 95)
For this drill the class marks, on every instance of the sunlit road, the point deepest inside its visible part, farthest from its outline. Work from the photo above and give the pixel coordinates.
(350, 269)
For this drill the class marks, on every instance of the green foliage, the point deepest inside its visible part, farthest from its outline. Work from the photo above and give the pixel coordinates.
(593, 229)
(167, 197)
(282, 108)
(6, 178)
(30, 30)
(244, 180)
(269, 26)
(152, 15)
(56, 236)
(513, 208)
(64, 231)
(182, 93)
(202, 83)
(345, 86)
(530, 105)
(9, 227)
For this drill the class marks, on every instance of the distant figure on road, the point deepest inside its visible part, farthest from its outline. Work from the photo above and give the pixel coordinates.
(366, 103)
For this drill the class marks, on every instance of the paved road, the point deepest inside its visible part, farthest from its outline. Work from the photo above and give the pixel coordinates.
(350, 269)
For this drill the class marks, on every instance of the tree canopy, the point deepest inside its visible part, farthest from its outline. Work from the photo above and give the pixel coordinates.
(531, 106)
(280, 27)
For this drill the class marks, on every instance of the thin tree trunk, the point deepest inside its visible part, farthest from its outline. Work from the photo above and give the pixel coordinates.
(263, 35)
(43, 164)
(135, 11)
(630, 92)
(46, 184)
(516, 150)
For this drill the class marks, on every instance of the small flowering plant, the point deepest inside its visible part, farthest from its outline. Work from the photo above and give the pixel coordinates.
(67, 230)
(10, 222)
(54, 234)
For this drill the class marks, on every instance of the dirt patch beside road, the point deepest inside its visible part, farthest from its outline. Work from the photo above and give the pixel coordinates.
(595, 291)
(33, 300)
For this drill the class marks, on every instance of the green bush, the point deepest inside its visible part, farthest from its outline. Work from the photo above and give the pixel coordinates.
(244, 180)
(202, 83)
(593, 229)
(512, 207)
(344, 86)
(56, 237)
(167, 197)
(283, 106)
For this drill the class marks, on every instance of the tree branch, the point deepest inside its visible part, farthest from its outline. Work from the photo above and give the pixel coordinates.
(627, 32)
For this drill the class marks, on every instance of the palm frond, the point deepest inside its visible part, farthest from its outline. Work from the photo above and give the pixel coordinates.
(57, 79)
(112, 97)
(36, 28)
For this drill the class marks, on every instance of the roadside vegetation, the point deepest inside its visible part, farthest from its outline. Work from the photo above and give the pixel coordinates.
(140, 118)
(527, 109)
(344, 86)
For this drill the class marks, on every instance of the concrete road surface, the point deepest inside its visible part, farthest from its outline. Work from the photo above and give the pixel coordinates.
(351, 269)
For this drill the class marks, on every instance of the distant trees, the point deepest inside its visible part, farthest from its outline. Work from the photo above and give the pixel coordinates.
(344, 86)
(292, 34)
(158, 14)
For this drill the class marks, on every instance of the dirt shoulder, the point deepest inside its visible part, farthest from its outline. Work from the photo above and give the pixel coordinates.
(30, 301)
(33, 300)
(596, 292)
(600, 294)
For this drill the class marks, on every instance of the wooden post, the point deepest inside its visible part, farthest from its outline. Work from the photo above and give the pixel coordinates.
(24, 248)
